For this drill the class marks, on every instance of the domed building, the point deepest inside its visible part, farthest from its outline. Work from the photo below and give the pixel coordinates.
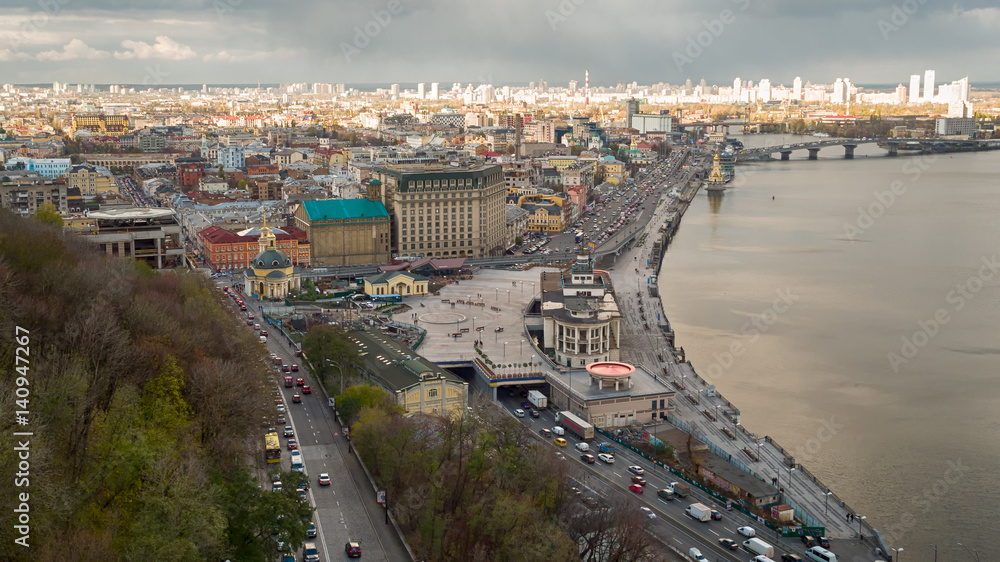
(271, 273)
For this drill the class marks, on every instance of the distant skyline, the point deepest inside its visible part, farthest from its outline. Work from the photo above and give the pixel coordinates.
(157, 42)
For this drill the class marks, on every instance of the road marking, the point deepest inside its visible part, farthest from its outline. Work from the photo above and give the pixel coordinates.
(678, 541)
(713, 532)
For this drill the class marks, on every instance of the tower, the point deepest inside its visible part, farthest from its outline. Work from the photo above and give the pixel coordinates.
(586, 87)
(928, 85)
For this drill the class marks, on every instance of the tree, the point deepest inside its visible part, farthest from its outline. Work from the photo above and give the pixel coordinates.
(241, 185)
(519, 240)
(329, 344)
(48, 214)
(352, 401)
(222, 172)
(311, 131)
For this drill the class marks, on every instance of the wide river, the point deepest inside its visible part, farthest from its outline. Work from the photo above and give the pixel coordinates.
(892, 338)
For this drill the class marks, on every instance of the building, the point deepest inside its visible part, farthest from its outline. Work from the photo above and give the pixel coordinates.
(517, 224)
(546, 213)
(227, 250)
(416, 384)
(652, 123)
(189, 171)
(151, 235)
(46, 167)
(446, 119)
(914, 88)
(346, 231)
(929, 85)
(946, 127)
(400, 283)
(582, 322)
(441, 210)
(579, 173)
(101, 124)
(271, 273)
(126, 161)
(231, 157)
(25, 195)
(91, 180)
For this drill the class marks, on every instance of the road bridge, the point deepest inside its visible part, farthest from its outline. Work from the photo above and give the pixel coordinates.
(892, 147)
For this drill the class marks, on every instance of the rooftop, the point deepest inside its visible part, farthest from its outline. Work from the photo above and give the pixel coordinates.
(396, 366)
(340, 209)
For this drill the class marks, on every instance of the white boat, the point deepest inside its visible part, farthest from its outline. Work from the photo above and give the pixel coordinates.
(821, 135)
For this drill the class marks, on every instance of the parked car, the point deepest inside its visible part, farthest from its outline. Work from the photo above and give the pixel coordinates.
(311, 531)
(293, 444)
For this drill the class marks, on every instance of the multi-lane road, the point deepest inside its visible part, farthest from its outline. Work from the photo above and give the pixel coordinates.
(347, 509)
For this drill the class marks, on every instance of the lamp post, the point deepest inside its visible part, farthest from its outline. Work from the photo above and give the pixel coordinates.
(504, 350)
(934, 546)
(895, 557)
(758, 450)
(521, 352)
(508, 296)
(861, 519)
(473, 323)
(341, 370)
(976, 557)
(716, 411)
(826, 501)
(497, 289)
(791, 469)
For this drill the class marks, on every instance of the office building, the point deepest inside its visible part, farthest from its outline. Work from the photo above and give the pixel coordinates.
(929, 85)
(101, 124)
(441, 210)
(914, 88)
(797, 88)
(652, 123)
(346, 231)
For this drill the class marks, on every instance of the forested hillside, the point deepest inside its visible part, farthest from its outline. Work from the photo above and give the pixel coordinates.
(144, 400)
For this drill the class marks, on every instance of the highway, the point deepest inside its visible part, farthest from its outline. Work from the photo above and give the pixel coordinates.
(345, 510)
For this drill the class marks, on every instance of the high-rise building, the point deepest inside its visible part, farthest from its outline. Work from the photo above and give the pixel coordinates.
(838, 91)
(914, 88)
(764, 90)
(420, 90)
(434, 90)
(631, 108)
(797, 88)
(444, 211)
(928, 85)
(738, 88)
(394, 89)
(572, 87)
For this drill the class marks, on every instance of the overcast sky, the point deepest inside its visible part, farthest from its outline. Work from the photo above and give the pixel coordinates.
(498, 42)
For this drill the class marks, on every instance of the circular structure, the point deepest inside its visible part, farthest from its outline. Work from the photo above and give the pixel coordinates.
(442, 317)
(610, 369)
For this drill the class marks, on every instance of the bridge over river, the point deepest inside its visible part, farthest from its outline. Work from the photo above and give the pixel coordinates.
(892, 147)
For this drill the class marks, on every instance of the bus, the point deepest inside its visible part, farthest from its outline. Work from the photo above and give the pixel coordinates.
(272, 447)
(388, 298)
(579, 236)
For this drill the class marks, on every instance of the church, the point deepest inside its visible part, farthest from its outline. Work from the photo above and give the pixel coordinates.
(271, 273)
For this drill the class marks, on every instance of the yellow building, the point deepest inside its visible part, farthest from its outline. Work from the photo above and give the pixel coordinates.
(271, 274)
(396, 283)
(560, 162)
(547, 213)
(101, 124)
(416, 384)
(91, 180)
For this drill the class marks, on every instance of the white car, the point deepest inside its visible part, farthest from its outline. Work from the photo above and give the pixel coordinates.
(747, 532)
(607, 457)
(649, 512)
(637, 470)
(281, 408)
(519, 413)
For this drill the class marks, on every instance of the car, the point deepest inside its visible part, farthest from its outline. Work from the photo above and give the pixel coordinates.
(636, 488)
(255, 326)
(243, 308)
(293, 444)
(809, 541)
(311, 531)
(353, 549)
(303, 495)
(637, 470)
(249, 322)
(519, 413)
(298, 381)
(639, 480)
(250, 316)
(289, 432)
(296, 399)
(281, 408)
(716, 515)
(747, 532)
(559, 441)
(545, 432)
(824, 542)
(587, 458)
(281, 419)
(276, 486)
(729, 543)
(303, 484)
(648, 512)
(324, 479)
(535, 414)
(526, 405)
(607, 457)
(295, 368)
(307, 390)
(791, 558)
(263, 333)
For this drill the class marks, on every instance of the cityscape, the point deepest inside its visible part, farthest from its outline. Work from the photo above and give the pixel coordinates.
(249, 312)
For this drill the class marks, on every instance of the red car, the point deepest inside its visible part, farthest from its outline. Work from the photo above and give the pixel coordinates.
(635, 488)
(250, 316)
(300, 382)
(296, 399)
(242, 307)
(307, 390)
(292, 444)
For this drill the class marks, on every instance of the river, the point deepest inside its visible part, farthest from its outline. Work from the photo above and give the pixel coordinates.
(892, 337)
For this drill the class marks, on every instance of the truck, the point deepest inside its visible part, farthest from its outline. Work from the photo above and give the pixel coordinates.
(666, 494)
(537, 399)
(700, 511)
(582, 429)
(680, 490)
(606, 448)
(759, 547)
(288, 382)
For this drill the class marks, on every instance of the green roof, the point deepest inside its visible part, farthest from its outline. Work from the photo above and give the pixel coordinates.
(339, 209)
(385, 277)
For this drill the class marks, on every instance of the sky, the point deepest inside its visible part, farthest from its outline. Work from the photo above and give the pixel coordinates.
(501, 42)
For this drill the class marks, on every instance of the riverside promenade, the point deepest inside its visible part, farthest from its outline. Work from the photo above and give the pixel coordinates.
(815, 504)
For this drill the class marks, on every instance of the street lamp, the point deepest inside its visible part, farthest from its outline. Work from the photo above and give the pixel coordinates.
(895, 557)
(861, 519)
(504, 350)
(826, 501)
(341, 370)
(716, 411)
(497, 289)
(790, 471)
(473, 323)
(522, 348)
(508, 296)
(934, 546)
(976, 557)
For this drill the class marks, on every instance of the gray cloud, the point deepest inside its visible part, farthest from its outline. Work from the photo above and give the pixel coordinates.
(513, 41)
